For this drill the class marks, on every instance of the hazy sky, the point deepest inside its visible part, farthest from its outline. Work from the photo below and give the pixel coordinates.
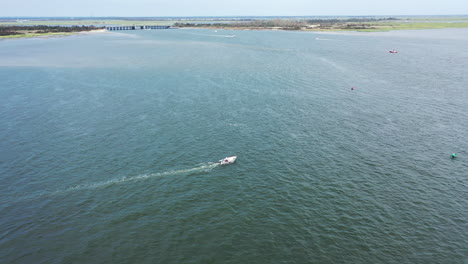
(230, 7)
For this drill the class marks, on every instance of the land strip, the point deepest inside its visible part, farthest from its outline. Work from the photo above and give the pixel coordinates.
(43, 30)
(33, 27)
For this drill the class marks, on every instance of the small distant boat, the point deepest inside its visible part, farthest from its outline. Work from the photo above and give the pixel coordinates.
(393, 51)
(227, 160)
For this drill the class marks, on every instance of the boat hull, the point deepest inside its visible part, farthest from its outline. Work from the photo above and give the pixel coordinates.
(228, 160)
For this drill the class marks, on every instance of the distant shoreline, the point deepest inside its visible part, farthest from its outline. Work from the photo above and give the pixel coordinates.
(48, 35)
(322, 30)
(14, 32)
(300, 24)
(318, 25)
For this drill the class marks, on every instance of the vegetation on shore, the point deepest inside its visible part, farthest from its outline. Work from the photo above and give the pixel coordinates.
(41, 30)
(28, 27)
(354, 24)
(294, 24)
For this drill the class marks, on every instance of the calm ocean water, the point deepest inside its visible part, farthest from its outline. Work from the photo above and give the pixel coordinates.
(108, 144)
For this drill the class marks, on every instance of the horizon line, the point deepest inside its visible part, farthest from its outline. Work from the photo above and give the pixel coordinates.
(234, 16)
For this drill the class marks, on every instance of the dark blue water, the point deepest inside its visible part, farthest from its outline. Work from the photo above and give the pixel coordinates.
(108, 144)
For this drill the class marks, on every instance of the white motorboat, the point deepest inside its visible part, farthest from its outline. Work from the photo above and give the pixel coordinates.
(227, 160)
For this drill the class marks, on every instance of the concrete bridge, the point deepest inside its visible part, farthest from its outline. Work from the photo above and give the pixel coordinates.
(136, 27)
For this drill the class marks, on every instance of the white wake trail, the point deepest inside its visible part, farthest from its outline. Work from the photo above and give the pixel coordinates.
(125, 179)
(219, 36)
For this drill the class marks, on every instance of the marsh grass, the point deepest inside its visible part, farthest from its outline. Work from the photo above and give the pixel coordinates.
(33, 35)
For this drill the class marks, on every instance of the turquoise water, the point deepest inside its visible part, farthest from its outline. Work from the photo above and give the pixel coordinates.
(108, 144)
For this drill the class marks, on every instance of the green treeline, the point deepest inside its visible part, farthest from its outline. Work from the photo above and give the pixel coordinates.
(18, 30)
(347, 20)
(289, 24)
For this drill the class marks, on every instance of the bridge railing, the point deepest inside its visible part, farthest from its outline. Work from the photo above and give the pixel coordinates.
(112, 28)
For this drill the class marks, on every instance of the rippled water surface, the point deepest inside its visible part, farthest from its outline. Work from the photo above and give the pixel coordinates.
(108, 144)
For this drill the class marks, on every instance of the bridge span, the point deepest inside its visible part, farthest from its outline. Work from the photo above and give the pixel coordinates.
(112, 28)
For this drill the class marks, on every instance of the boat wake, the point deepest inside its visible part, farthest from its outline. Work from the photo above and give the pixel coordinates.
(219, 36)
(97, 185)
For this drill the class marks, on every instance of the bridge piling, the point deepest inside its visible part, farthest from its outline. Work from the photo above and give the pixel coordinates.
(113, 28)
